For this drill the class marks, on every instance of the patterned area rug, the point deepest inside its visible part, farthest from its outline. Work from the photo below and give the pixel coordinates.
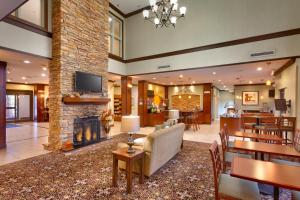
(86, 174)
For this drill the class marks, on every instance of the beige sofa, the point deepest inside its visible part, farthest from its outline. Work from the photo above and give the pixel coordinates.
(159, 146)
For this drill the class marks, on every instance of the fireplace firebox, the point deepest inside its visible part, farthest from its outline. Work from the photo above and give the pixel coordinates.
(86, 131)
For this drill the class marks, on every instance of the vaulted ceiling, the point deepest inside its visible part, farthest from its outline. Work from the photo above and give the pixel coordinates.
(127, 6)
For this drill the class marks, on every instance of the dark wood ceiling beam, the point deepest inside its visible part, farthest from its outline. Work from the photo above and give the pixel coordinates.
(285, 66)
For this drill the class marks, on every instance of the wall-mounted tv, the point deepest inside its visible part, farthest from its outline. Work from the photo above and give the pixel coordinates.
(85, 82)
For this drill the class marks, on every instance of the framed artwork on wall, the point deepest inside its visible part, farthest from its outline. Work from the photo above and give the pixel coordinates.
(251, 98)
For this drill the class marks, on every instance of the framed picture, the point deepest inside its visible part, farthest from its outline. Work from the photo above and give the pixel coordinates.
(251, 98)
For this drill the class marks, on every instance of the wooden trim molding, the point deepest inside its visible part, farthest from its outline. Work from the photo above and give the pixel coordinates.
(27, 25)
(117, 10)
(285, 66)
(137, 11)
(215, 66)
(14, 10)
(213, 46)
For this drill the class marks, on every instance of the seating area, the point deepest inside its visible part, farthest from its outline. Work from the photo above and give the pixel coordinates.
(149, 99)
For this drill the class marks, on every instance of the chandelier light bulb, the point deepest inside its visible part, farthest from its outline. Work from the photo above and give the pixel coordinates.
(175, 6)
(146, 13)
(173, 20)
(152, 2)
(173, 2)
(164, 13)
(182, 11)
(155, 8)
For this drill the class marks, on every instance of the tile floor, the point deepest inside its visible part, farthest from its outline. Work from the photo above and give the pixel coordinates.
(27, 140)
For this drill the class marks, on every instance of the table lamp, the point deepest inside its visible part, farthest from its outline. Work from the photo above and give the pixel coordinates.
(174, 115)
(131, 125)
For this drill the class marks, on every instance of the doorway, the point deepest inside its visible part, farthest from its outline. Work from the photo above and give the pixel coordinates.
(19, 106)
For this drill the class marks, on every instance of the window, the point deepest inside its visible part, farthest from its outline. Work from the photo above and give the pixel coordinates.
(33, 11)
(115, 42)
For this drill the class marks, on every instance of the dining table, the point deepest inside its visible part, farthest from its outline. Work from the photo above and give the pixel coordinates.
(258, 137)
(277, 175)
(261, 147)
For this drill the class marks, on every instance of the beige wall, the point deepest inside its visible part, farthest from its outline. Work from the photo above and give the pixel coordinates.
(263, 96)
(209, 22)
(288, 80)
(196, 89)
(158, 90)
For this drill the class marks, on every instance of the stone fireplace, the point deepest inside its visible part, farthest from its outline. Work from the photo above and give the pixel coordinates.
(87, 131)
(79, 43)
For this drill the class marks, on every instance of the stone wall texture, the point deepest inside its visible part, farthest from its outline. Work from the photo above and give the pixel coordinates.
(185, 102)
(80, 43)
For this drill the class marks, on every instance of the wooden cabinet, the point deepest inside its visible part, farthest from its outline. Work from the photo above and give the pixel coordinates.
(155, 118)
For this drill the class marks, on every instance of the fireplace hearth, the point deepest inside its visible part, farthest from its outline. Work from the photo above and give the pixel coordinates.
(86, 131)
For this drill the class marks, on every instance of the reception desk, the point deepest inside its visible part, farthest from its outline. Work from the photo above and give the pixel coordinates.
(155, 118)
(233, 124)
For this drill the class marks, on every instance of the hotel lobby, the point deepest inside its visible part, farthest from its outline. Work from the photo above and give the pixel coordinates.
(149, 99)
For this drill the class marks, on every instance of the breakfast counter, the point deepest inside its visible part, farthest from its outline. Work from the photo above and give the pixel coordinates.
(233, 123)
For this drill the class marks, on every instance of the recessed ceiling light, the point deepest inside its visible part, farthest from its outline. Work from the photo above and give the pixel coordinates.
(24, 78)
(219, 80)
(224, 86)
(180, 76)
(43, 75)
(8, 72)
(154, 78)
(26, 82)
(250, 82)
(109, 19)
(214, 73)
(27, 61)
(194, 82)
(45, 68)
(8, 80)
(259, 69)
(171, 83)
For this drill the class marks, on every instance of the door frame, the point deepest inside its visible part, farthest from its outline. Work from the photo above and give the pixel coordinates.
(22, 92)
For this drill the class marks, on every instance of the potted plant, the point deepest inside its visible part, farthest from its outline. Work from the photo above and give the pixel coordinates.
(107, 121)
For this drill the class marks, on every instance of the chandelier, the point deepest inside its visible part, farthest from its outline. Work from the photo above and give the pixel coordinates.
(164, 12)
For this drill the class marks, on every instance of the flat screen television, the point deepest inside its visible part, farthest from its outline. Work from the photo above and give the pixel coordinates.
(280, 105)
(85, 82)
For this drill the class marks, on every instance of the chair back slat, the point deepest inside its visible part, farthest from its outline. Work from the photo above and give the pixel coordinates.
(217, 165)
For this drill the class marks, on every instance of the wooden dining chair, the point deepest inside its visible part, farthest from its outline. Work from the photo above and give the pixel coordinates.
(270, 126)
(288, 160)
(288, 124)
(295, 195)
(248, 123)
(191, 121)
(228, 187)
(226, 153)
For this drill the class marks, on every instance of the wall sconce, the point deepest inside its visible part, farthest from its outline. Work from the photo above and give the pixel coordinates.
(190, 97)
(261, 97)
(129, 85)
(179, 97)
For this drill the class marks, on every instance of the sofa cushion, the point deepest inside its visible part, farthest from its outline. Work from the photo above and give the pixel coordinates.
(238, 188)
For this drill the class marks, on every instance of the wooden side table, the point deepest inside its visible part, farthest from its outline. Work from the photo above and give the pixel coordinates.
(128, 158)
